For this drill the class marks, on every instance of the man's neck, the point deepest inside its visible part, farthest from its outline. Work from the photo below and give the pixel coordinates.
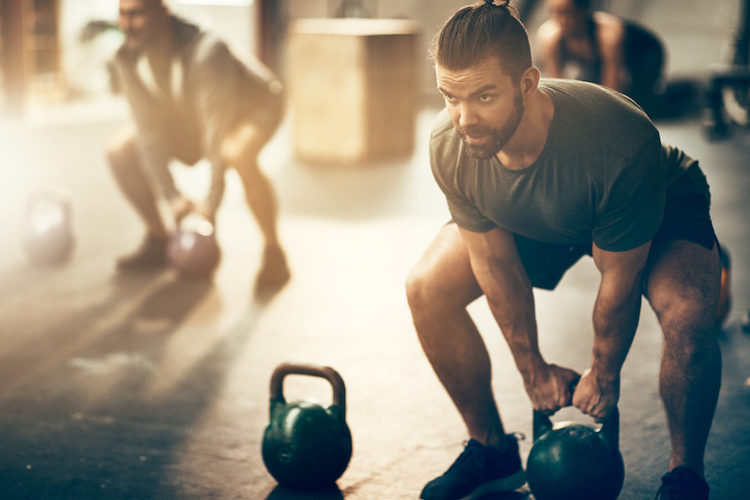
(159, 52)
(528, 141)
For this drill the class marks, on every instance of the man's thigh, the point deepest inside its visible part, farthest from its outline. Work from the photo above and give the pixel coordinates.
(123, 145)
(683, 271)
(243, 144)
(249, 132)
(445, 269)
(683, 282)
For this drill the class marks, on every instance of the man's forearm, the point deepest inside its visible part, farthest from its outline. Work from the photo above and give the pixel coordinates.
(615, 322)
(157, 166)
(510, 298)
(216, 188)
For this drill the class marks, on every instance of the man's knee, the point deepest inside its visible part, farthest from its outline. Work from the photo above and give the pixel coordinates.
(241, 147)
(442, 280)
(122, 152)
(418, 288)
(689, 330)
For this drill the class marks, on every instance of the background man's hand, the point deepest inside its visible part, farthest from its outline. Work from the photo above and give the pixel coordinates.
(596, 395)
(549, 387)
(206, 213)
(181, 207)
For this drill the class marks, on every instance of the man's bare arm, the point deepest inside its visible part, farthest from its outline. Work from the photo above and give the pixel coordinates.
(499, 272)
(615, 317)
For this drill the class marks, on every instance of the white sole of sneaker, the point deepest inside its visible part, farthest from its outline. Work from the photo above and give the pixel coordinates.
(507, 484)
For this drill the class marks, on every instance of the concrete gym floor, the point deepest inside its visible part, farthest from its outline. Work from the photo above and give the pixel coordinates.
(150, 387)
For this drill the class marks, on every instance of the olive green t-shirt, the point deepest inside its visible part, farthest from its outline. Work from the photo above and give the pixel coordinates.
(602, 176)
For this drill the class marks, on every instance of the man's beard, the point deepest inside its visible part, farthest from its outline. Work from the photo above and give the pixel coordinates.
(497, 138)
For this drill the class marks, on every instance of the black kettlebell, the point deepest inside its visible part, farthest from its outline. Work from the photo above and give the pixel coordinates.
(305, 445)
(48, 232)
(575, 461)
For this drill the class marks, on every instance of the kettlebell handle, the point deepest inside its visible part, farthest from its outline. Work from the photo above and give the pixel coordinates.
(52, 195)
(326, 372)
(610, 427)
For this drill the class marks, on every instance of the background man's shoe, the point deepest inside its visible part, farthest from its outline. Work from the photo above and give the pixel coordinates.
(274, 271)
(151, 254)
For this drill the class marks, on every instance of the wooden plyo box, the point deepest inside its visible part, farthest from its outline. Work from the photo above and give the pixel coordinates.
(352, 88)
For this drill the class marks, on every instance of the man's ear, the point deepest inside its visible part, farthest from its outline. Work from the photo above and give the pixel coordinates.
(530, 80)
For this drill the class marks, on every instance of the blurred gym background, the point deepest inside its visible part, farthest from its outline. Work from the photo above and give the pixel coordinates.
(150, 387)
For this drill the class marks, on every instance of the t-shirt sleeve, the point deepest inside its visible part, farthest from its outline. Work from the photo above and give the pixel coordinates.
(631, 210)
(446, 170)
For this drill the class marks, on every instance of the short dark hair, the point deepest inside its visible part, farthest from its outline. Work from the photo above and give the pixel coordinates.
(480, 30)
(582, 4)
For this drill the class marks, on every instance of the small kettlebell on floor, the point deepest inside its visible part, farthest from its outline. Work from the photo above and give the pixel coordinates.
(306, 445)
(193, 250)
(48, 233)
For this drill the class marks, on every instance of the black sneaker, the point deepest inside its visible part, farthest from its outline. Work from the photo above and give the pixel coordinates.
(151, 254)
(479, 470)
(682, 483)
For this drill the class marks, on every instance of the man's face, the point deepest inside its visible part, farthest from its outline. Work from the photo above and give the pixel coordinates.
(567, 15)
(484, 103)
(140, 20)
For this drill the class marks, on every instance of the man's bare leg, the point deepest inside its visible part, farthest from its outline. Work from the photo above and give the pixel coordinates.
(439, 289)
(683, 289)
(240, 150)
(127, 168)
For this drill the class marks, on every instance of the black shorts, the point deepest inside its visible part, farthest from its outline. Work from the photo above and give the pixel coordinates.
(685, 218)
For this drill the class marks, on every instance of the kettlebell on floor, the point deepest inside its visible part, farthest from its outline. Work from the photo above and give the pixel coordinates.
(575, 461)
(306, 445)
(48, 233)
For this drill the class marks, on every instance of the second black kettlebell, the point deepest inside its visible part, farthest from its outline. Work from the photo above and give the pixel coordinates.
(306, 445)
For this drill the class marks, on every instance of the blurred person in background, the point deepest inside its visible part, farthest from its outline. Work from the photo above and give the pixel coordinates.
(579, 43)
(191, 98)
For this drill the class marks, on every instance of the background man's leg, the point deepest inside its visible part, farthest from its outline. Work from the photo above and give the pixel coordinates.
(240, 150)
(127, 168)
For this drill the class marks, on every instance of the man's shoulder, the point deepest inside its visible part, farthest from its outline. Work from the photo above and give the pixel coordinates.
(573, 88)
(188, 34)
(548, 35)
(184, 29)
(185, 34)
(586, 100)
(443, 136)
(442, 126)
(611, 28)
(594, 111)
